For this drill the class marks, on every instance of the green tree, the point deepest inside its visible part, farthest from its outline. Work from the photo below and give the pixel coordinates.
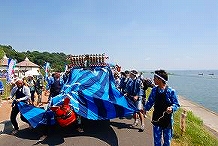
(57, 60)
(1, 53)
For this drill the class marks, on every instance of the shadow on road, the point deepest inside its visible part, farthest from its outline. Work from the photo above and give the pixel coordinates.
(97, 129)
(7, 127)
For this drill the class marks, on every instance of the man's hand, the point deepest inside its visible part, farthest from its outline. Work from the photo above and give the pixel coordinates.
(169, 110)
(135, 98)
(9, 100)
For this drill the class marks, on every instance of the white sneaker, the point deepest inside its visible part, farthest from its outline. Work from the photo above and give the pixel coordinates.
(142, 128)
(135, 124)
(80, 130)
(14, 132)
(42, 138)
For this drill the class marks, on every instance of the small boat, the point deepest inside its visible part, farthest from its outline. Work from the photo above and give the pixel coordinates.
(200, 74)
(211, 74)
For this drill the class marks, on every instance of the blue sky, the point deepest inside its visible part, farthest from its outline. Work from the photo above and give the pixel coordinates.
(136, 34)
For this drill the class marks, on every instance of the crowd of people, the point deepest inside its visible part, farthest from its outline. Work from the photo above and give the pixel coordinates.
(162, 98)
(131, 84)
(29, 88)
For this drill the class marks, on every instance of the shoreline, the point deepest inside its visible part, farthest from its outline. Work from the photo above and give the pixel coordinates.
(180, 97)
(209, 118)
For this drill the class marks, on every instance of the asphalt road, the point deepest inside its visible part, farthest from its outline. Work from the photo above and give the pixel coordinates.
(116, 132)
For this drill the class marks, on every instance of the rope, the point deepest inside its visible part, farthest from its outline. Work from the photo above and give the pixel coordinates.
(159, 117)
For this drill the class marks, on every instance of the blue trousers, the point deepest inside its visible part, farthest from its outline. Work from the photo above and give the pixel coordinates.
(158, 132)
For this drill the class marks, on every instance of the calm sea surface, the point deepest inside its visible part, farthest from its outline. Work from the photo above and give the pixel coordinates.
(199, 86)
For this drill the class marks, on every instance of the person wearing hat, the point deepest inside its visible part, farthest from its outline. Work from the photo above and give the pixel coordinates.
(117, 79)
(19, 93)
(135, 93)
(123, 81)
(165, 102)
(31, 84)
(55, 84)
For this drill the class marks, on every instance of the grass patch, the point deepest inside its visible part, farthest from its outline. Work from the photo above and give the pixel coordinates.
(7, 89)
(195, 134)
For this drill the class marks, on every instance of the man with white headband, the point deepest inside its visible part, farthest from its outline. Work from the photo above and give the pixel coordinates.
(165, 102)
(19, 93)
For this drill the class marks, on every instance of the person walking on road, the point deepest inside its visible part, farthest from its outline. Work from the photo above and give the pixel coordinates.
(31, 83)
(135, 93)
(19, 93)
(165, 102)
(39, 87)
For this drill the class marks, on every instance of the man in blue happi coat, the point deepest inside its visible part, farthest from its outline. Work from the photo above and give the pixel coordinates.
(135, 93)
(165, 102)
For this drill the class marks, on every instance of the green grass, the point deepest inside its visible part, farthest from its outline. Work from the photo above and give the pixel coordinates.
(195, 134)
(7, 88)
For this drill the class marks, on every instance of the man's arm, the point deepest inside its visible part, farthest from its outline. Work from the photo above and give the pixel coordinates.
(151, 99)
(174, 101)
(13, 91)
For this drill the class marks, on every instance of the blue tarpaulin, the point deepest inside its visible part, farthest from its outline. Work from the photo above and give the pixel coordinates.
(33, 114)
(92, 94)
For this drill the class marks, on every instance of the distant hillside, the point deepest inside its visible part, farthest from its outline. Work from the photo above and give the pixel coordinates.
(57, 60)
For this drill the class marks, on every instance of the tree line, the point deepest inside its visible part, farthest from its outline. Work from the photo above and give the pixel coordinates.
(57, 60)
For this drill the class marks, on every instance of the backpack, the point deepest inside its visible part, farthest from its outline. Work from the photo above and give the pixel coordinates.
(39, 83)
(147, 83)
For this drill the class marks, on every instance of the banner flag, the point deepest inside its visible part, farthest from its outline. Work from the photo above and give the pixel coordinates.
(47, 69)
(10, 69)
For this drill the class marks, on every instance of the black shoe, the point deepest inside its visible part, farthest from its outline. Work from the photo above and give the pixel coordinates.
(142, 128)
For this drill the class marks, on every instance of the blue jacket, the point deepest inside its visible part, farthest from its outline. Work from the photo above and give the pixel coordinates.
(134, 88)
(171, 97)
(50, 81)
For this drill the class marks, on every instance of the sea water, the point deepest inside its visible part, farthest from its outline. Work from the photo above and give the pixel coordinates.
(199, 86)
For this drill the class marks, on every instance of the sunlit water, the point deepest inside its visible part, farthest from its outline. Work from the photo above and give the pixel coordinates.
(199, 86)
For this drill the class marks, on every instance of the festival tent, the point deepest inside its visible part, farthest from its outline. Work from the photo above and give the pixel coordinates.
(31, 73)
(92, 94)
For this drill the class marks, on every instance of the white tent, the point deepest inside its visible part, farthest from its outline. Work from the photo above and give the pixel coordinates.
(31, 73)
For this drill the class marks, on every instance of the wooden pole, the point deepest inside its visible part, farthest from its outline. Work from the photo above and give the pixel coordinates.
(183, 121)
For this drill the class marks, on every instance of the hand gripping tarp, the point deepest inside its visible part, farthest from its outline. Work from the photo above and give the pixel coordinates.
(33, 114)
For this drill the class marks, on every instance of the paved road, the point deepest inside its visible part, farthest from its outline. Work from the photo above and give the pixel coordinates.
(115, 132)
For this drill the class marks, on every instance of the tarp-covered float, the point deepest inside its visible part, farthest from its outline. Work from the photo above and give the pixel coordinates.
(89, 92)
